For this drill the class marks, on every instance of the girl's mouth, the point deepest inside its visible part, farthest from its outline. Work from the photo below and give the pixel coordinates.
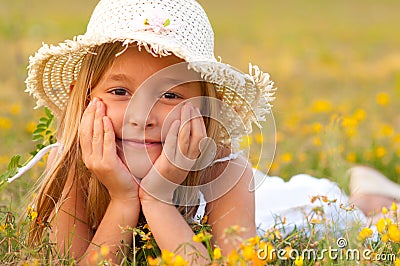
(139, 144)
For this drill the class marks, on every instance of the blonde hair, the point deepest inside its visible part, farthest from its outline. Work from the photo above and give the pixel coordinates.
(96, 195)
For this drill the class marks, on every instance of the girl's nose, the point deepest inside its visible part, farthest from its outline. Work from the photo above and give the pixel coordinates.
(141, 119)
(140, 112)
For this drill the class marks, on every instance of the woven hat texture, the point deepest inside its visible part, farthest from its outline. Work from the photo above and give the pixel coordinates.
(179, 27)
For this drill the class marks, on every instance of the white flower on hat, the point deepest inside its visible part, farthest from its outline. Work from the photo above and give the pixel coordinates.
(157, 22)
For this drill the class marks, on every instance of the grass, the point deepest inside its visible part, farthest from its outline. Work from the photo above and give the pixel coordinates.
(336, 64)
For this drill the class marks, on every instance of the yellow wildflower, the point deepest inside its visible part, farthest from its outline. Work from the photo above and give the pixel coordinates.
(5, 123)
(350, 126)
(153, 262)
(217, 253)
(275, 166)
(365, 233)
(33, 215)
(30, 127)
(385, 210)
(233, 258)
(324, 199)
(397, 262)
(394, 207)
(317, 221)
(298, 261)
(386, 131)
(321, 106)
(380, 151)
(286, 157)
(382, 98)
(167, 257)
(93, 257)
(179, 261)
(317, 141)
(349, 122)
(382, 224)
(317, 127)
(248, 252)
(359, 114)
(394, 233)
(201, 237)
(15, 109)
(259, 138)
(351, 157)
(268, 253)
(104, 250)
(246, 142)
(385, 238)
(253, 240)
(347, 208)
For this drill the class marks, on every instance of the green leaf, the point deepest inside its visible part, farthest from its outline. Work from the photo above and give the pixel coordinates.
(41, 126)
(49, 121)
(40, 146)
(167, 22)
(14, 163)
(38, 130)
(52, 139)
(37, 137)
(43, 120)
(48, 113)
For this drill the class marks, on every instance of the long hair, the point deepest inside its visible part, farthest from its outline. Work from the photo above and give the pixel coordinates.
(69, 161)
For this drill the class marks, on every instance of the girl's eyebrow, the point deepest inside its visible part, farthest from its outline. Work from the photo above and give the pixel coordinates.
(119, 77)
(175, 80)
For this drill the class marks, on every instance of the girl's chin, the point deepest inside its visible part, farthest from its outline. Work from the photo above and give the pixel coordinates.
(139, 163)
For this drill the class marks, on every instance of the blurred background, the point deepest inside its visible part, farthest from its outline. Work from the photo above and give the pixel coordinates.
(336, 64)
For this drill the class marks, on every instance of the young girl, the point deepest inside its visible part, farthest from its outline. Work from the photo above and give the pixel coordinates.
(149, 124)
(135, 128)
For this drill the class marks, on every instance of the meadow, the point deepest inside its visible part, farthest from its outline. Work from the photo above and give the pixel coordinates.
(336, 65)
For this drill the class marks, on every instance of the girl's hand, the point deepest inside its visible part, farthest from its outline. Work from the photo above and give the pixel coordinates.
(180, 152)
(99, 153)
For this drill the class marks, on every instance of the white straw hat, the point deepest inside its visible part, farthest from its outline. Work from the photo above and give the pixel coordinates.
(178, 27)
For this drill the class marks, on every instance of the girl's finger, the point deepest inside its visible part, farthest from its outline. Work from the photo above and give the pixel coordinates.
(171, 140)
(184, 131)
(109, 146)
(86, 128)
(200, 121)
(98, 132)
(197, 133)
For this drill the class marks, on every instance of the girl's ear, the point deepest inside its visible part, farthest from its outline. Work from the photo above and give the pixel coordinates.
(71, 86)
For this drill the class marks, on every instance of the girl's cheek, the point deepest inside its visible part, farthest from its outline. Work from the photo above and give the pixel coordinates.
(116, 114)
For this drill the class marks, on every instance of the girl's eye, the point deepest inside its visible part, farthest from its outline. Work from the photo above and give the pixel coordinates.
(120, 92)
(170, 95)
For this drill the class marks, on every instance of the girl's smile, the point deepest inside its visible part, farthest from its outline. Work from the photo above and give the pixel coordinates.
(139, 144)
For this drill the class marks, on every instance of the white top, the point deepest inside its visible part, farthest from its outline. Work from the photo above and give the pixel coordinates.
(277, 201)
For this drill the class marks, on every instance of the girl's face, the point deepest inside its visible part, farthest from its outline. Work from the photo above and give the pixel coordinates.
(142, 115)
